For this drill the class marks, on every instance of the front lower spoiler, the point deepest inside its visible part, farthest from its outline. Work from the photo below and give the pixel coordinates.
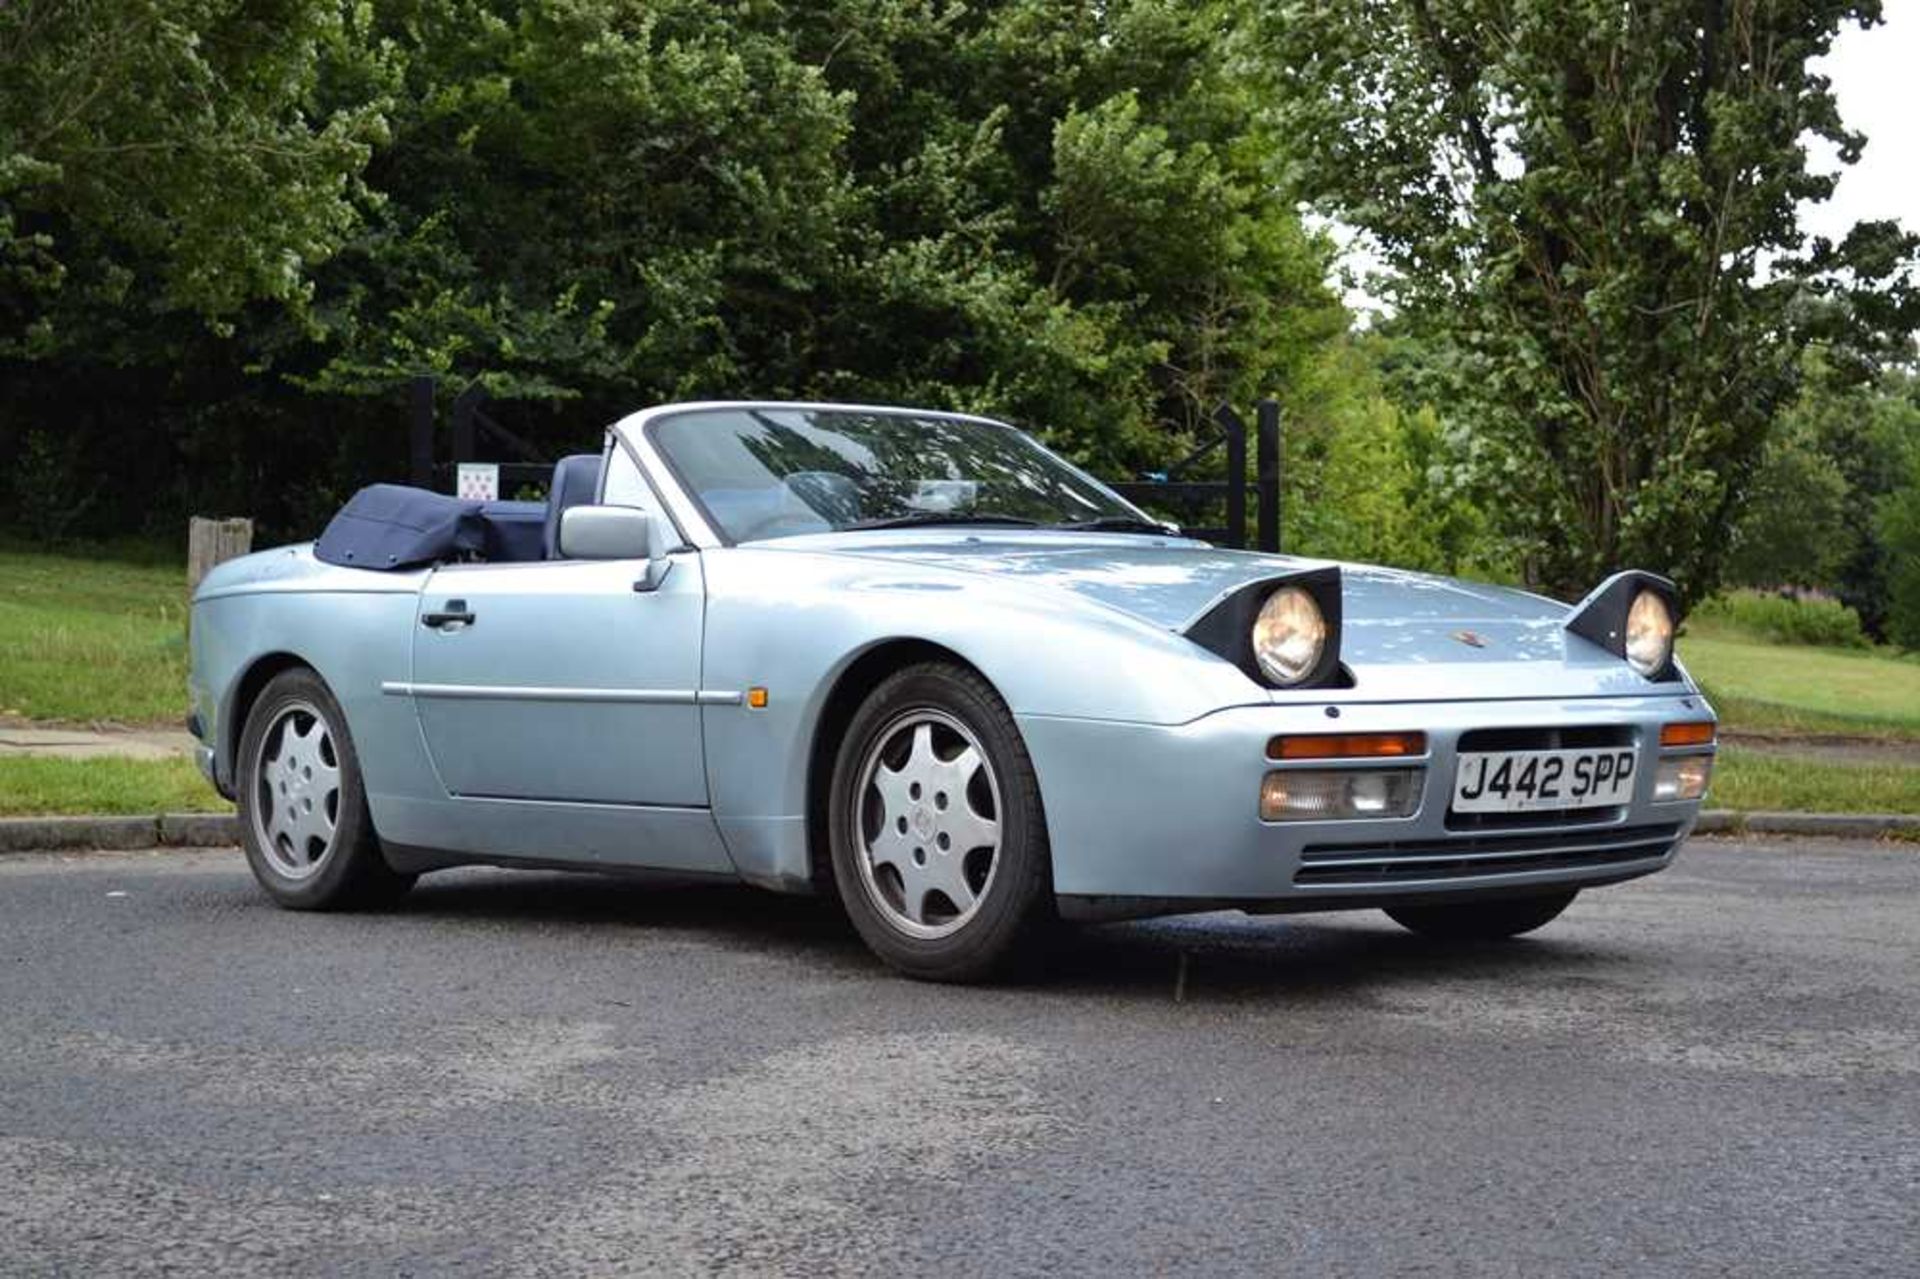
(1154, 819)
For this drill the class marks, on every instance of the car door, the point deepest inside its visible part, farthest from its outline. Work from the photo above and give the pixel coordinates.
(559, 681)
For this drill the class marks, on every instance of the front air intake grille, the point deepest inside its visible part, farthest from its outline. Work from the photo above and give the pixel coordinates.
(1546, 739)
(1484, 822)
(1408, 861)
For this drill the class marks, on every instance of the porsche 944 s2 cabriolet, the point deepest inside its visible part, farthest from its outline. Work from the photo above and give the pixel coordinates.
(917, 660)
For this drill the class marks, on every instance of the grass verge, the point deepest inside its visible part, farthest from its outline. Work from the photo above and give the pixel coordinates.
(85, 640)
(32, 786)
(1775, 688)
(1752, 782)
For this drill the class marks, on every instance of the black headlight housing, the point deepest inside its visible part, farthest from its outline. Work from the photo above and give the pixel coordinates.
(1601, 617)
(1226, 627)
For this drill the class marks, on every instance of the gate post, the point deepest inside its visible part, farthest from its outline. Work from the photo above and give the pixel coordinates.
(420, 434)
(1267, 425)
(465, 405)
(1236, 432)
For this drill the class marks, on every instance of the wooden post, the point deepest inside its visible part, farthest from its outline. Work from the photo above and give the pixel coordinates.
(211, 541)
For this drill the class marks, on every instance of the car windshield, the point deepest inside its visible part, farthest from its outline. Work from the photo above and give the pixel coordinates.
(782, 472)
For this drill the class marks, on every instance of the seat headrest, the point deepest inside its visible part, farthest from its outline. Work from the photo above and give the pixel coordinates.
(576, 480)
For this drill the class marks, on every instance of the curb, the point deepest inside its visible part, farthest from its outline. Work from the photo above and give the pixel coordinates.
(1726, 821)
(162, 830)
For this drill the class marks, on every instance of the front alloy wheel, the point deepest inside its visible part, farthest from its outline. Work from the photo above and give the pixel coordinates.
(938, 839)
(929, 824)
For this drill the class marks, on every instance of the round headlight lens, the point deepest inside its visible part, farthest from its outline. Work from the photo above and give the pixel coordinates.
(1649, 634)
(1288, 635)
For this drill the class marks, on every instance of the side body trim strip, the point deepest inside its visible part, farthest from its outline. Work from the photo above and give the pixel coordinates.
(511, 693)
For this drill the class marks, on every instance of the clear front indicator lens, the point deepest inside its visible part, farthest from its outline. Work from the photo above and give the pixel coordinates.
(1649, 634)
(1334, 795)
(1289, 635)
(1683, 778)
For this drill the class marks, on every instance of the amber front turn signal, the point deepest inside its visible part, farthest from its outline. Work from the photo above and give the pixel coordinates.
(1697, 733)
(1347, 746)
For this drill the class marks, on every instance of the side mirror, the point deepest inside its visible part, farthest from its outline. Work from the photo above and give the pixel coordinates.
(609, 533)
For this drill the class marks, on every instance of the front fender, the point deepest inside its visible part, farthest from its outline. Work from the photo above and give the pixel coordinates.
(794, 622)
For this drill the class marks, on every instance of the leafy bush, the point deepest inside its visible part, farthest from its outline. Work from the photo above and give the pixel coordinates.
(1785, 619)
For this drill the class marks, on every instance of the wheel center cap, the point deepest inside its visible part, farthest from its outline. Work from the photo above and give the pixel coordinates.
(922, 822)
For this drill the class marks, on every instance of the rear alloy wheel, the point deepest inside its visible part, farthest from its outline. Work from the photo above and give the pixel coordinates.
(303, 811)
(1483, 921)
(939, 841)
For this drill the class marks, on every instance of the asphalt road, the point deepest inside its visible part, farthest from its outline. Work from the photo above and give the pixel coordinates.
(1714, 1070)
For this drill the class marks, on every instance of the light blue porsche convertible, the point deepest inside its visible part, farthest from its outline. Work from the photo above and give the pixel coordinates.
(916, 660)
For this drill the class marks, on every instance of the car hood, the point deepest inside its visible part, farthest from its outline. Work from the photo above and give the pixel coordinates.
(1169, 582)
(1404, 634)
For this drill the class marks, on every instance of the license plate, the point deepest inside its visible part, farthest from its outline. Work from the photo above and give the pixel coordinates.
(1532, 781)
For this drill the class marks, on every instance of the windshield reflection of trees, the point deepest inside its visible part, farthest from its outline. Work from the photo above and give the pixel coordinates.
(890, 462)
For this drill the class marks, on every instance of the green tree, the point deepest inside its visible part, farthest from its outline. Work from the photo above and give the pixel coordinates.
(1794, 527)
(1058, 213)
(1062, 214)
(1809, 517)
(165, 157)
(1899, 528)
(1896, 512)
(1592, 209)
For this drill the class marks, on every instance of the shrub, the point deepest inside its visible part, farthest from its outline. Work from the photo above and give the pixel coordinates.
(1899, 525)
(1785, 619)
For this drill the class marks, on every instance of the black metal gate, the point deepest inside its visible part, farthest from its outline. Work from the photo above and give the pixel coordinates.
(527, 467)
(1189, 501)
(1193, 504)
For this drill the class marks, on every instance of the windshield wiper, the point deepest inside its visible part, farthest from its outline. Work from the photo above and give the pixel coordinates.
(1115, 524)
(913, 518)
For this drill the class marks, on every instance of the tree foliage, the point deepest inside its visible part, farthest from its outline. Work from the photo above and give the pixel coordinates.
(1059, 213)
(161, 158)
(231, 232)
(1835, 456)
(1591, 211)
(1897, 522)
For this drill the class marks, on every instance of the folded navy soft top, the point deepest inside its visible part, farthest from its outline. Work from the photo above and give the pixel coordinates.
(392, 526)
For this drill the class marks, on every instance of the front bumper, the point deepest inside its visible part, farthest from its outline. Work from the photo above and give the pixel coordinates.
(1150, 818)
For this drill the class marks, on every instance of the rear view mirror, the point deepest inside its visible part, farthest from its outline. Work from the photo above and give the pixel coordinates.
(608, 533)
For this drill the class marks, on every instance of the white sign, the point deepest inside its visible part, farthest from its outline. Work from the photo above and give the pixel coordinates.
(479, 482)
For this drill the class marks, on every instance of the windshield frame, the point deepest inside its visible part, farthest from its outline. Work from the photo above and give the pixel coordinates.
(654, 451)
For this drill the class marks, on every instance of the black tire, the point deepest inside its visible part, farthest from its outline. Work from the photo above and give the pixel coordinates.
(1483, 921)
(1014, 908)
(349, 872)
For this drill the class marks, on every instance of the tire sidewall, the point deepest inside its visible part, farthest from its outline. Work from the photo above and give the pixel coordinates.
(353, 831)
(1020, 896)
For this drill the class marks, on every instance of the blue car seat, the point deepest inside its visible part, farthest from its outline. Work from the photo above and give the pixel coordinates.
(576, 481)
